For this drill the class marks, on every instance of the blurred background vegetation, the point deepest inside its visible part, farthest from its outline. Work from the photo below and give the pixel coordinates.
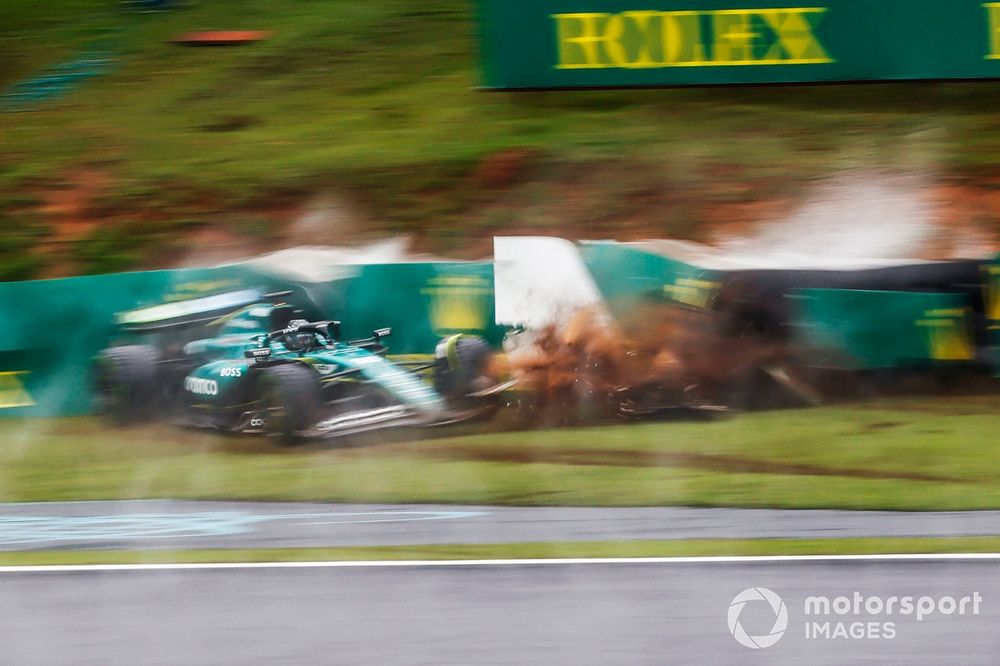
(368, 111)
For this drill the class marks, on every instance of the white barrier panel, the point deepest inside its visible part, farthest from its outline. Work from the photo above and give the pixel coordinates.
(540, 280)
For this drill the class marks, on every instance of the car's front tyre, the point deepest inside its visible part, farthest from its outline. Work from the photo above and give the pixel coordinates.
(290, 395)
(128, 383)
(460, 365)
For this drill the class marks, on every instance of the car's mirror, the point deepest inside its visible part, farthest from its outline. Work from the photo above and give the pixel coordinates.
(333, 330)
(381, 332)
(257, 354)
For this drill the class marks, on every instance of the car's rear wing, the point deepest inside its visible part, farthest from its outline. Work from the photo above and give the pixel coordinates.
(191, 312)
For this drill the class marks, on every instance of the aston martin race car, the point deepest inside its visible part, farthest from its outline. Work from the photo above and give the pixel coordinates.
(267, 369)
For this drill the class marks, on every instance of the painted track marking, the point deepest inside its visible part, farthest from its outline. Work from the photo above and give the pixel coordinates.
(754, 559)
(16, 529)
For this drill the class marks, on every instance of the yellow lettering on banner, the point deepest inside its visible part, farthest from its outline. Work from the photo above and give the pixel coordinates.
(682, 42)
(12, 391)
(644, 54)
(578, 39)
(949, 338)
(691, 291)
(993, 16)
(991, 295)
(734, 38)
(649, 39)
(950, 343)
(796, 40)
(458, 304)
(595, 40)
(614, 46)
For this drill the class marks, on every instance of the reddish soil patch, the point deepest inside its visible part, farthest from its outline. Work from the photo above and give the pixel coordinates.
(67, 207)
(221, 37)
(517, 191)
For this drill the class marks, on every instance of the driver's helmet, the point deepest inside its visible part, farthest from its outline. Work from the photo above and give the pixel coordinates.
(300, 341)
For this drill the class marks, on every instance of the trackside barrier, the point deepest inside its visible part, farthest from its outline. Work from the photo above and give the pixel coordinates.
(844, 321)
(991, 295)
(53, 328)
(627, 275)
(856, 329)
(422, 302)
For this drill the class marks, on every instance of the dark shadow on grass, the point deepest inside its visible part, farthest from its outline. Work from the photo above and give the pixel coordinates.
(631, 458)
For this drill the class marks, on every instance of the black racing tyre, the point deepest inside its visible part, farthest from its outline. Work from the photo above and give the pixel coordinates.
(128, 383)
(291, 398)
(459, 361)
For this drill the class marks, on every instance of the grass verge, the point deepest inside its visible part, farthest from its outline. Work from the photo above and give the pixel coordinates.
(695, 548)
(916, 454)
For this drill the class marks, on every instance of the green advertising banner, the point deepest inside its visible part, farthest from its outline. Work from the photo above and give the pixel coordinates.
(422, 303)
(618, 43)
(991, 300)
(626, 275)
(856, 329)
(53, 329)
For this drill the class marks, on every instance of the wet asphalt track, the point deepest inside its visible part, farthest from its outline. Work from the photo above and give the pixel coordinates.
(158, 524)
(523, 613)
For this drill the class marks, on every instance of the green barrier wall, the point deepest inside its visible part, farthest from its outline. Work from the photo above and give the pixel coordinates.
(422, 303)
(53, 328)
(853, 329)
(991, 296)
(626, 275)
(842, 328)
(615, 43)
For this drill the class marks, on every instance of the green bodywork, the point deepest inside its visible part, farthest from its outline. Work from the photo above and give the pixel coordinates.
(217, 382)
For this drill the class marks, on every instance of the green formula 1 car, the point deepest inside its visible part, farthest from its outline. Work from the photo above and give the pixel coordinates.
(266, 369)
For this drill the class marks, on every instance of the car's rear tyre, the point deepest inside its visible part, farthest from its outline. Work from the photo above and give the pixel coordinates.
(291, 399)
(128, 383)
(460, 365)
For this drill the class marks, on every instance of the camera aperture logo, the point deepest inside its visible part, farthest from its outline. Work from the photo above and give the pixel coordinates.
(858, 616)
(751, 597)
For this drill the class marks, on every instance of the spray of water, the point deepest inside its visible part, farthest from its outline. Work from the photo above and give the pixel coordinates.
(857, 220)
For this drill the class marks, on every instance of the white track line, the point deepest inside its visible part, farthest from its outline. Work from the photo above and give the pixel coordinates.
(764, 559)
